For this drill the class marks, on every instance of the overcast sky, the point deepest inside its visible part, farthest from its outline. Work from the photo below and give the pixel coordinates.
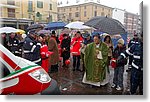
(129, 5)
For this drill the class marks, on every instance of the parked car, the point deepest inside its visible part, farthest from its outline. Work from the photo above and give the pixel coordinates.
(22, 77)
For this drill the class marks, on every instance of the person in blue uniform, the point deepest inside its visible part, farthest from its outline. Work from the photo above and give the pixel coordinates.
(31, 48)
(136, 78)
(133, 41)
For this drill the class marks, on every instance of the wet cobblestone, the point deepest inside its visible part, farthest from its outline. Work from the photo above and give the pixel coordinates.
(70, 83)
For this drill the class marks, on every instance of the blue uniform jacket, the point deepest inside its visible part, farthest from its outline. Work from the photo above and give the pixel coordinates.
(31, 50)
(136, 51)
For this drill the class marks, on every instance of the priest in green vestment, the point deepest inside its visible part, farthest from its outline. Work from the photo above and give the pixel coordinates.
(96, 56)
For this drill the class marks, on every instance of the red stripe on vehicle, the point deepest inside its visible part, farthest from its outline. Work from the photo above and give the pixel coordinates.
(9, 61)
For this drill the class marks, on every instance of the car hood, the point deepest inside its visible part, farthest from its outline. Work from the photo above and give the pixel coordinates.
(24, 63)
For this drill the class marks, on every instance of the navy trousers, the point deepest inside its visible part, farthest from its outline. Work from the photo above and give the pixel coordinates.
(76, 62)
(136, 81)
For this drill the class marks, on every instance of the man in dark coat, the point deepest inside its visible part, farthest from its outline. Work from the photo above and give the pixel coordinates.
(31, 48)
(53, 34)
(65, 48)
(13, 44)
(3, 40)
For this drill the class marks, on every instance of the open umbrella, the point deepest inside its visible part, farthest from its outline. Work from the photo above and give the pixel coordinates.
(35, 26)
(77, 25)
(43, 32)
(55, 25)
(8, 30)
(66, 31)
(20, 31)
(107, 25)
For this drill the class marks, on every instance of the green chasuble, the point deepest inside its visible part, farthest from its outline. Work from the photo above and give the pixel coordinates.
(96, 68)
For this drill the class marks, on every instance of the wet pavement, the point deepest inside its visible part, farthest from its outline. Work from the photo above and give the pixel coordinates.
(70, 83)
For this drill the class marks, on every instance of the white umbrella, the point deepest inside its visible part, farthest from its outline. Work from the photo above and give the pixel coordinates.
(104, 34)
(8, 30)
(77, 25)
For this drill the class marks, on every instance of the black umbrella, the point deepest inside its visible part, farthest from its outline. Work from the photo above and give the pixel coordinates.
(106, 25)
(35, 26)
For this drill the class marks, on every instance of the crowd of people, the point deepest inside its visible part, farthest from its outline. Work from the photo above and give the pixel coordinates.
(95, 55)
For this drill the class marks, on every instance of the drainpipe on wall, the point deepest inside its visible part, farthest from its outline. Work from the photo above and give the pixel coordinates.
(17, 24)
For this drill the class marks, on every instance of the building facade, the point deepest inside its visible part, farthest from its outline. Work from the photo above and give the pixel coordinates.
(83, 12)
(130, 21)
(141, 17)
(40, 10)
(21, 13)
(10, 14)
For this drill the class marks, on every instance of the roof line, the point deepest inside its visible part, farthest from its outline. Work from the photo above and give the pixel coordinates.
(84, 4)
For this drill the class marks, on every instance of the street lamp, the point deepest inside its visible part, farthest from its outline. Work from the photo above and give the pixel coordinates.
(64, 17)
(50, 15)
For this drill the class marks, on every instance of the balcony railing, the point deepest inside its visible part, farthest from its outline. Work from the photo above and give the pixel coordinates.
(9, 6)
(11, 14)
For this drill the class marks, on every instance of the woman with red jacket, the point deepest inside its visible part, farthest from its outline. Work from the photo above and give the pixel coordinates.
(75, 49)
(45, 54)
